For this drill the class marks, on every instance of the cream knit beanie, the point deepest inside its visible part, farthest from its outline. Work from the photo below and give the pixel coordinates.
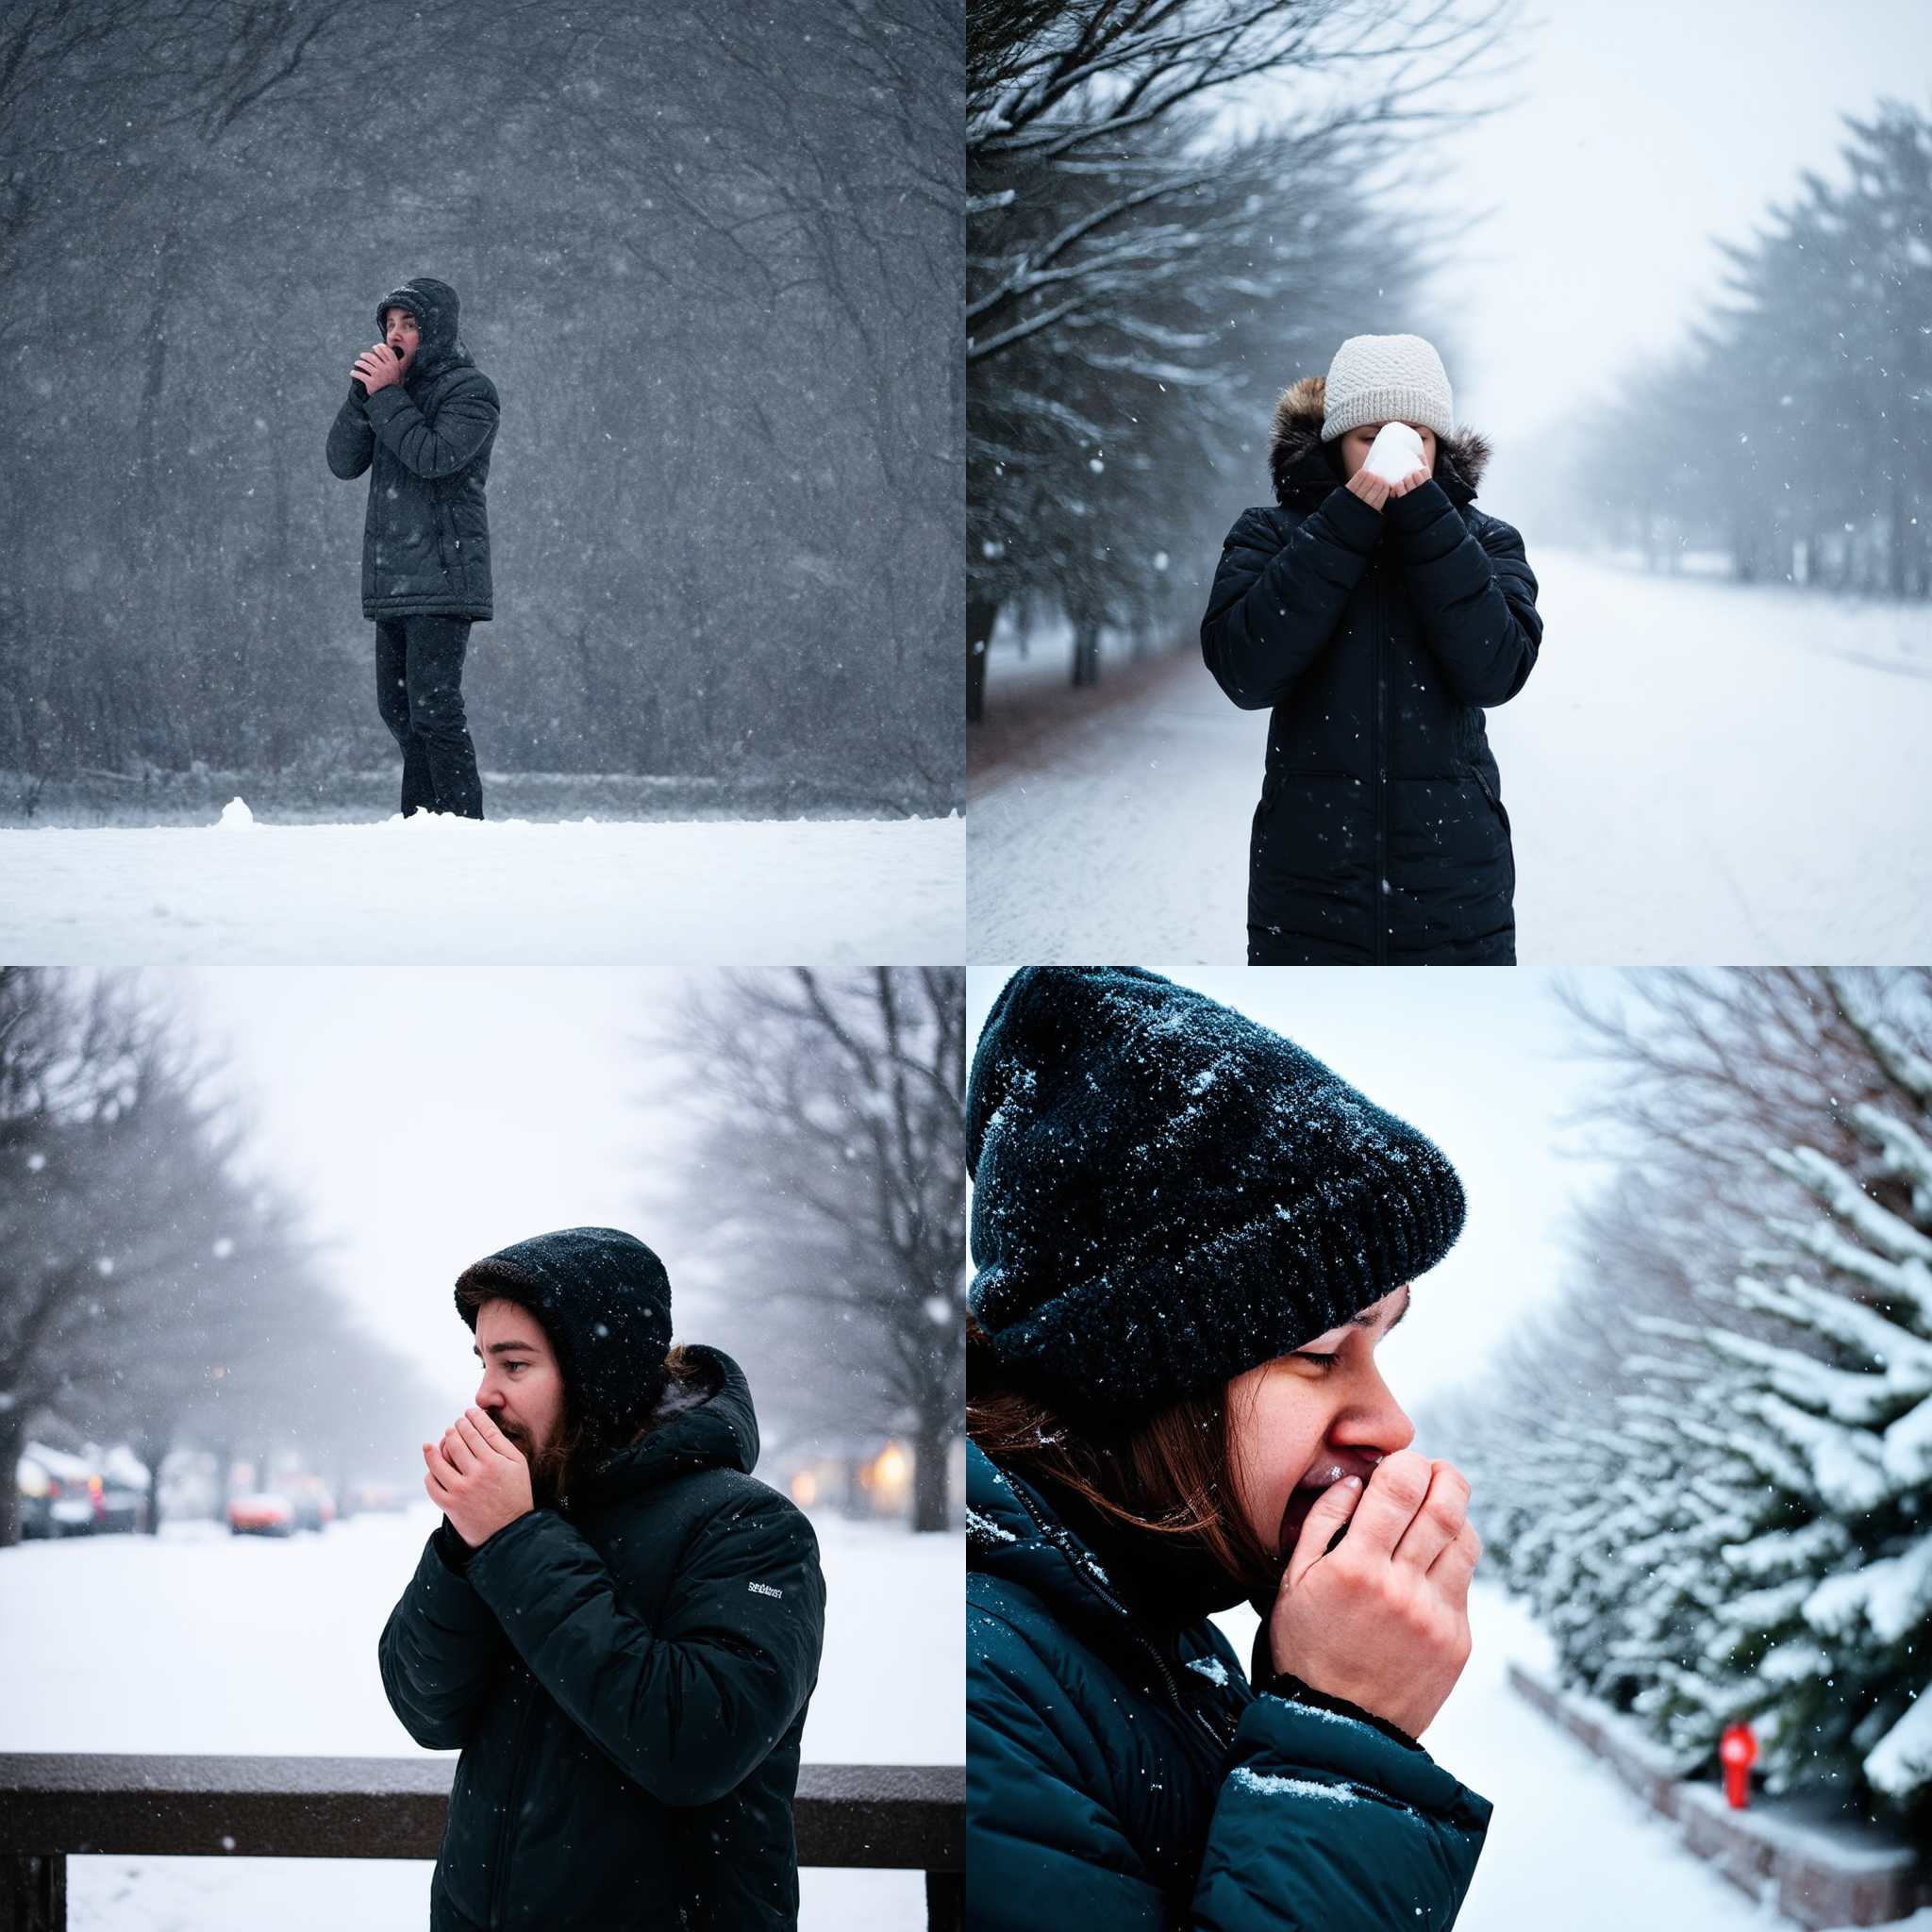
(1386, 380)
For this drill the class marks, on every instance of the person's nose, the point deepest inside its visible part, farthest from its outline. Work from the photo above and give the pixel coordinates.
(1380, 1422)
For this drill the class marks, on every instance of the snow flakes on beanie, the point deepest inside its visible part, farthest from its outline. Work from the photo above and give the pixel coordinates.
(1167, 1193)
(605, 1302)
(1387, 379)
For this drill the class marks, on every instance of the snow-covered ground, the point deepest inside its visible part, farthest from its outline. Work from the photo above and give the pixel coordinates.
(197, 1641)
(1697, 770)
(505, 892)
(1569, 1844)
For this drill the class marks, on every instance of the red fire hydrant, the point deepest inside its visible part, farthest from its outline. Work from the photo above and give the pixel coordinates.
(1737, 1748)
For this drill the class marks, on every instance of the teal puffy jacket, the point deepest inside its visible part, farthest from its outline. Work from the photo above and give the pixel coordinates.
(1122, 1775)
(629, 1686)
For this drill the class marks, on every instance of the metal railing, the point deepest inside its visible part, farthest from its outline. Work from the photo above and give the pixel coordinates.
(907, 1817)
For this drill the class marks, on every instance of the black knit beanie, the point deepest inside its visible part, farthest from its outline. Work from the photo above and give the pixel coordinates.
(1166, 1194)
(605, 1302)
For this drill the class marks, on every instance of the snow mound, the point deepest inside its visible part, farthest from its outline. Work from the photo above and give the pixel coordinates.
(236, 817)
(502, 890)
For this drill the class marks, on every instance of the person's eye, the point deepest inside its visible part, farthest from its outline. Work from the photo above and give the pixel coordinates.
(1302, 1355)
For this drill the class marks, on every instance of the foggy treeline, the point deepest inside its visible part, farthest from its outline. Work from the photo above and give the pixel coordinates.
(710, 260)
(822, 1169)
(151, 1292)
(1790, 430)
(1148, 266)
(1707, 1466)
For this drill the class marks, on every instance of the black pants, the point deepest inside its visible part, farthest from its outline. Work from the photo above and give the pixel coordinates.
(419, 690)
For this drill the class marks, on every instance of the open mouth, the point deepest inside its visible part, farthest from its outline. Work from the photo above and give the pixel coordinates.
(1310, 1489)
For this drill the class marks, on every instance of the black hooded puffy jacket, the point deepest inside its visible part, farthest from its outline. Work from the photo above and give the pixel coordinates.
(1378, 639)
(627, 1682)
(425, 539)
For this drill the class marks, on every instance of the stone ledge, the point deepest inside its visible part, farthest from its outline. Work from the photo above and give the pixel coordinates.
(1823, 1871)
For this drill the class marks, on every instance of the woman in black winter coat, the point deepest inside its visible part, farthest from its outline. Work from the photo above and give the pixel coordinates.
(1376, 616)
(1189, 1238)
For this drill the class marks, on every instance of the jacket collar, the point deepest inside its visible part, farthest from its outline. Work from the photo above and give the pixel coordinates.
(1298, 458)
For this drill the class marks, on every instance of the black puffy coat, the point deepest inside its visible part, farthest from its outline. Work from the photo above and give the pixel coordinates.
(1122, 1776)
(425, 538)
(628, 1682)
(1378, 639)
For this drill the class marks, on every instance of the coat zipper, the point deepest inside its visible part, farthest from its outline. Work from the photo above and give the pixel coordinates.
(1379, 890)
(1113, 1603)
(509, 1810)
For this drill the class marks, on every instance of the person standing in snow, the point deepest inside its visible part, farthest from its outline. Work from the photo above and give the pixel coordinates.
(421, 417)
(1375, 616)
(1189, 1236)
(615, 1623)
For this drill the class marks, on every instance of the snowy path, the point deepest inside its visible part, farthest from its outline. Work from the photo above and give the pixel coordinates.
(1696, 771)
(1568, 1845)
(197, 1641)
(509, 891)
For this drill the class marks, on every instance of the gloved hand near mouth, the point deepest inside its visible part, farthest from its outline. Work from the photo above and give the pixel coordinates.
(377, 368)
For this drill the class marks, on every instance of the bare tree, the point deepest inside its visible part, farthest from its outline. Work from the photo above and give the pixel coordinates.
(1140, 270)
(827, 1167)
(152, 1291)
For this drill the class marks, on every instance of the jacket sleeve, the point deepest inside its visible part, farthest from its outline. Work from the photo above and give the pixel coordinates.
(441, 1650)
(690, 1706)
(1324, 1819)
(1273, 608)
(1042, 1843)
(1476, 601)
(464, 428)
(351, 441)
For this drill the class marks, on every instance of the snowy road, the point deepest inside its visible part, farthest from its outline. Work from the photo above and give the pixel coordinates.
(1696, 771)
(197, 1641)
(508, 892)
(1568, 1845)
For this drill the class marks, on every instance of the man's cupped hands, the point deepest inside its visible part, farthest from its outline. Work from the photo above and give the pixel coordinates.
(478, 1477)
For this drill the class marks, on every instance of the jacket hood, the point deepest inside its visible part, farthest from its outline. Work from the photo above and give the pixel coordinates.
(434, 306)
(1050, 1546)
(1298, 458)
(711, 1425)
(605, 1303)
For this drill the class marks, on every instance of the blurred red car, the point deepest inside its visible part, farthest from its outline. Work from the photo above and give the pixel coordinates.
(264, 1513)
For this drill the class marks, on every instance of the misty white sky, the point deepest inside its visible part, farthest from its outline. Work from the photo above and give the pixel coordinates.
(427, 1116)
(1641, 132)
(1477, 1061)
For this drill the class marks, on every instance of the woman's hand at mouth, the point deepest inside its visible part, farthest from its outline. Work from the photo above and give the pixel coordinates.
(1382, 1620)
(1372, 488)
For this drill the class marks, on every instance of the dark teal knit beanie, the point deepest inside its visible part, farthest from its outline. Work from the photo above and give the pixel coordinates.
(1166, 1194)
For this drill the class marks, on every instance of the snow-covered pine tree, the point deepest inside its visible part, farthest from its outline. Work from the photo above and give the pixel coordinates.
(1821, 1628)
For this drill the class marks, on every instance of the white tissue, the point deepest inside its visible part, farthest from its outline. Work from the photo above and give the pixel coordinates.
(1396, 453)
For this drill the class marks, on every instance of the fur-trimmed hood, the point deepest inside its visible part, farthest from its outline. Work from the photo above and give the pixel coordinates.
(1298, 458)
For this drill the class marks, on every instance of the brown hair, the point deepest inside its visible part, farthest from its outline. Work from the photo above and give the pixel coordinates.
(1172, 1475)
(580, 1444)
